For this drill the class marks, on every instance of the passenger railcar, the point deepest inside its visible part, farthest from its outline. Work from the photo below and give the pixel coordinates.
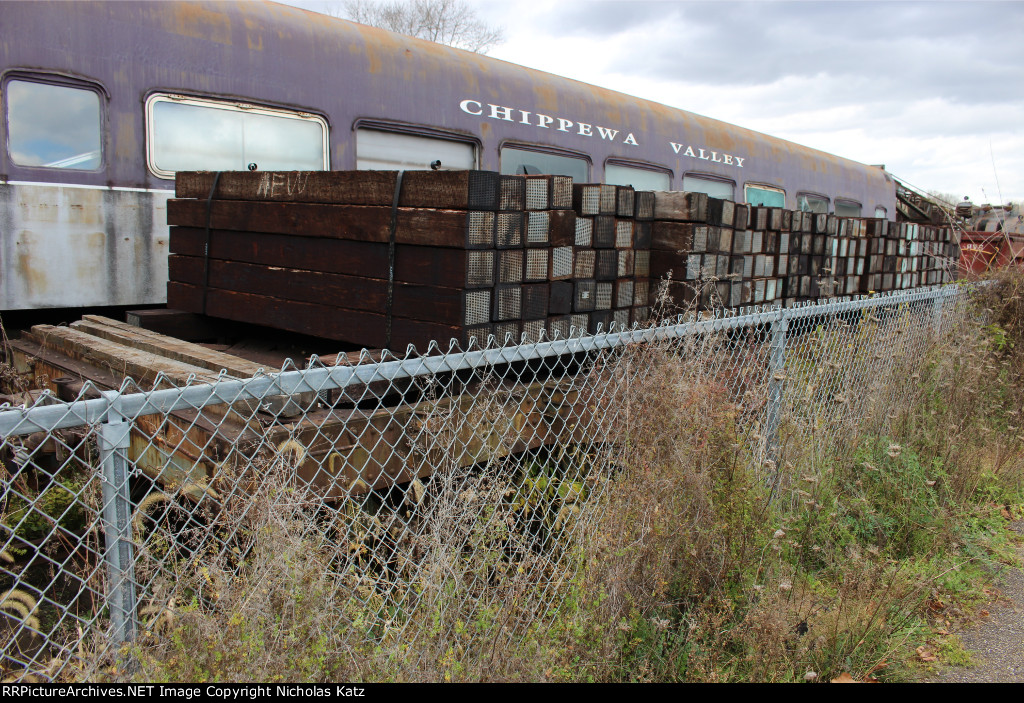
(104, 101)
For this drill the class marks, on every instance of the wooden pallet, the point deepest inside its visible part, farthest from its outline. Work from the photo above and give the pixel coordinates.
(336, 450)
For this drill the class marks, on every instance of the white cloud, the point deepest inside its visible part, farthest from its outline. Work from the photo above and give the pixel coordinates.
(921, 87)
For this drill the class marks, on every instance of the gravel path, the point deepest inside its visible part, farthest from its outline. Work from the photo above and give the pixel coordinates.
(997, 642)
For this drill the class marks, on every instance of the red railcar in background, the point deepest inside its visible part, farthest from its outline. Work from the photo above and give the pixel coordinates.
(994, 238)
(990, 237)
(986, 251)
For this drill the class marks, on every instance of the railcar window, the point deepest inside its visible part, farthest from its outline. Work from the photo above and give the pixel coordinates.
(639, 178)
(765, 195)
(713, 187)
(393, 151)
(808, 202)
(200, 135)
(848, 208)
(523, 161)
(53, 126)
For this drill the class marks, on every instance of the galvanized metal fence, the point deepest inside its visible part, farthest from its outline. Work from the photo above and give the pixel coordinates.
(445, 487)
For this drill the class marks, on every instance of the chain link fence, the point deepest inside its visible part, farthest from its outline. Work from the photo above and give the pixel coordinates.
(432, 490)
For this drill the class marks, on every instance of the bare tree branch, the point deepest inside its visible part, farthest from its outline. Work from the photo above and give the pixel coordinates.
(450, 22)
(945, 198)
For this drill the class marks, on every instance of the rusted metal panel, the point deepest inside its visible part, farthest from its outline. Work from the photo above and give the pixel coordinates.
(986, 251)
(66, 245)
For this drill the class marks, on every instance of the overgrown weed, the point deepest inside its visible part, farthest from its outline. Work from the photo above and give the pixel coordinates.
(899, 470)
(671, 550)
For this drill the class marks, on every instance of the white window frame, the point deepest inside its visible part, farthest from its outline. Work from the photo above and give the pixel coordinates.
(231, 106)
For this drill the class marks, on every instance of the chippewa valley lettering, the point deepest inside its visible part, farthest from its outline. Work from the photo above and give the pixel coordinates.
(708, 155)
(539, 120)
(511, 114)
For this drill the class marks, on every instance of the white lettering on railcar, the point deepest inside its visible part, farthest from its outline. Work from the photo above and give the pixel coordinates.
(561, 124)
(708, 155)
(587, 129)
(506, 112)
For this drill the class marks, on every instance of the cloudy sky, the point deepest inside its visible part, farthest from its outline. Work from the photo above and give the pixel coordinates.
(933, 90)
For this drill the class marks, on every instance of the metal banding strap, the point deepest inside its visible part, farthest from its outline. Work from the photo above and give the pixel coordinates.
(391, 260)
(206, 245)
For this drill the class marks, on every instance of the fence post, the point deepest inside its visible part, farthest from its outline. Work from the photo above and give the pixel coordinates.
(113, 438)
(940, 294)
(776, 379)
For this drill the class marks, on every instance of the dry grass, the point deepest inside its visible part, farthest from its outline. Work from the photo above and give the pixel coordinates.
(658, 546)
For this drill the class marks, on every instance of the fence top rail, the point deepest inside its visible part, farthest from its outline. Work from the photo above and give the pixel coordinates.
(131, 401)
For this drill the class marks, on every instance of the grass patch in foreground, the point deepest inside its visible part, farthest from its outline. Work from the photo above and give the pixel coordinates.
(684, 559)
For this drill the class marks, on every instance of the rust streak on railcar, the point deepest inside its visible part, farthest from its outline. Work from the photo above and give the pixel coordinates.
(125, 141)
(547, 96)
(30, 266)
(430, 58)
(196, 21)
(253, 35)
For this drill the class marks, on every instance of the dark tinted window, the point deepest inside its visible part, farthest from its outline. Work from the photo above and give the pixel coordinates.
(523, 161)
(807, 202)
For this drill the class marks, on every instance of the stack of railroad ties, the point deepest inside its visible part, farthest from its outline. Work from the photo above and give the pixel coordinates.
(381, 259)
(714, 253)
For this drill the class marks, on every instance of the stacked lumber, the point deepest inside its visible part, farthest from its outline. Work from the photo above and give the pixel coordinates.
(705, 254)
(611, 258)
(531, 267)
(925, 255)
(839, 251)
(347, 450)
(342, 256)
(105, 351)
(378, 259)
(808, 265)
(940, 255)
(906, 255)
(708, 253)
(879, 262)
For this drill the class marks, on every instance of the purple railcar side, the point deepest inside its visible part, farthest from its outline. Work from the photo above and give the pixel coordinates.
(83, 237)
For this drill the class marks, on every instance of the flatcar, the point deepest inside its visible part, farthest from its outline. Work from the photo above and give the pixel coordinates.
(104, 101)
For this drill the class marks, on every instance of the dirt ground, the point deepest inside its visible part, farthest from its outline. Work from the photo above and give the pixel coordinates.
(996, 642)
